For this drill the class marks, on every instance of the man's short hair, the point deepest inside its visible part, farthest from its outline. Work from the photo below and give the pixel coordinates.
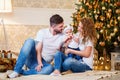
(56, 19)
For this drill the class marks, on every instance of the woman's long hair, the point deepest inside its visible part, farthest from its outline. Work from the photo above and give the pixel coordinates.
(89, 31)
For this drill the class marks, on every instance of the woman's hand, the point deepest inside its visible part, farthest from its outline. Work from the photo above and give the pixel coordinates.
(38, 67)
(67, 50)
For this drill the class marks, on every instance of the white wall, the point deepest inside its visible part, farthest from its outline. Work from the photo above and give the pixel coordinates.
(36, 16)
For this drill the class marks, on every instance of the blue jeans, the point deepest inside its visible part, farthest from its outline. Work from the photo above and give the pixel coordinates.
(28, 57)
(68, 63)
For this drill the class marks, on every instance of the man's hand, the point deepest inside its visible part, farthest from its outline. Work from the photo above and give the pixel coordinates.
(39, 66)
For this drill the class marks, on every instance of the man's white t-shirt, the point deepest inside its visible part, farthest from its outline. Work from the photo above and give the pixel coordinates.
(51, 43)
(82, 46)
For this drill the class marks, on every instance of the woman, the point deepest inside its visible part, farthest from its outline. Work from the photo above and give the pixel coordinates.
(87, 39)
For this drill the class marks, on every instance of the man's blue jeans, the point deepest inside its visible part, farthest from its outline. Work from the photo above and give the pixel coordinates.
(67, 63)
(28, 57)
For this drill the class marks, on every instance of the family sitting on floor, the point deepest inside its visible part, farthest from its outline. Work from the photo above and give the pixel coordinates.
(37, 54)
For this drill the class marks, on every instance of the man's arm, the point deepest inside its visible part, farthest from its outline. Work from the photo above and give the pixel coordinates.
(39, 56)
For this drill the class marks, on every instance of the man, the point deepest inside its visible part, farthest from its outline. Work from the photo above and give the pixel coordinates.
(38, 57)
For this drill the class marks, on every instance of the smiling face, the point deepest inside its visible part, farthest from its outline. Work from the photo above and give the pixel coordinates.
(80, 27)
(58, 28)
(68, 32)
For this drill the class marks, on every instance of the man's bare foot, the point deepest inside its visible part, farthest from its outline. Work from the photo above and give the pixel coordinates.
(56, 73)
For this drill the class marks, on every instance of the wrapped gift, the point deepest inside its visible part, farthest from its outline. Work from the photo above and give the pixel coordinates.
(6, 61)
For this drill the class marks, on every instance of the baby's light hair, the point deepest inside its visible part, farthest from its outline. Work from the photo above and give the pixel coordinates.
(67, 27)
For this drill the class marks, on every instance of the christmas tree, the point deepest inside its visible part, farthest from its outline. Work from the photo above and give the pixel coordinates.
(106, 16)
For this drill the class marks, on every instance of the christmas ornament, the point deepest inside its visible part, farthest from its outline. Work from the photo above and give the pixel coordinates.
(108, 64)
(101, 63)
(102, 43)
(103, 8)
(108, 38)
(94, 11)
(98, 12)
(115, 22)
(111, 22)
(96, 16)
(112, 34)
(118, 11)
(108, 15)
(101, 31)
(102, 18)
(118, 38)
(115, 43)
(119, 18)
(98, 36)
(108, 25)
(115, 30)
(109, 10)
(118, 3)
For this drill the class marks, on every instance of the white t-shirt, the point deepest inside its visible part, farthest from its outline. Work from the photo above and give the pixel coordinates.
(89, 60)
(51, 43)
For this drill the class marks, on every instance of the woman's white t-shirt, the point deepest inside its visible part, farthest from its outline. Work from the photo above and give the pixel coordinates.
(82, 46)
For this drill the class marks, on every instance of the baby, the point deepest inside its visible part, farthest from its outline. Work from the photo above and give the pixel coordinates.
(74, 42)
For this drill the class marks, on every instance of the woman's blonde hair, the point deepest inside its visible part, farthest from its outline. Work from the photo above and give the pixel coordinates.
(89, 31)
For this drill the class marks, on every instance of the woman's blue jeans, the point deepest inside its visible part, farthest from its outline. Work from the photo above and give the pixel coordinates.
(68, 63)
(28, 57)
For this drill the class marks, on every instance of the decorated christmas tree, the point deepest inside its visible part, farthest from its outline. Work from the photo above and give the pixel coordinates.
(106, 16)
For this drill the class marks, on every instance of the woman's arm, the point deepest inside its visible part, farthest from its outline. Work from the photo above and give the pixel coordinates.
(39, 57)
(84, 53)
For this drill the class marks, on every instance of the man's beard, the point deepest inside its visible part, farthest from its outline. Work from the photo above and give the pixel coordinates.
(57, 31)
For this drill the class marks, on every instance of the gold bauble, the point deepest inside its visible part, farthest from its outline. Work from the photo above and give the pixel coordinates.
(115, 43)
(82, 10)
(101, 63)
(111, 22)
(72, 24)
(108, 38)
(101, 31)
(102, 43)
(102, 18)
(115, 30)
(103, 8)
(108, 64)
(109, 10)
(90, 7)
(118, 38)
(94, 11)
(118, 3)
(119, 18)
(90, 13)
(112, 34)
(98, 36)
(108, 15)
(98, 12)
(95, 67)
(96, 16)
(108, 25)
(115, 22)
(87, 4)
(118, 11)
(95, 61)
